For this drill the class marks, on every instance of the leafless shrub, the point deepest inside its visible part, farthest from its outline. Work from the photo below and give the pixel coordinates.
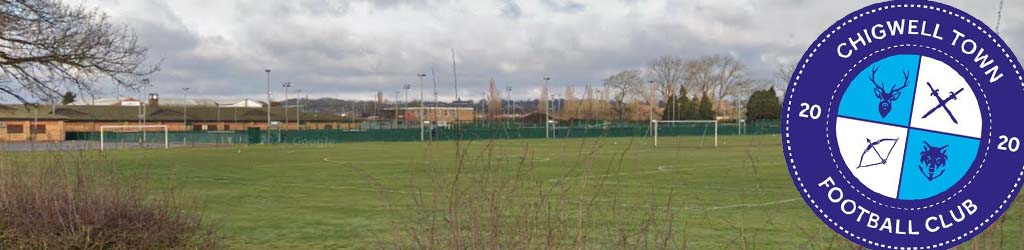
(497, 201)
(63, 201)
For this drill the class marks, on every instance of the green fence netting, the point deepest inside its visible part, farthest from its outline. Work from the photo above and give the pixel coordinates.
(470, 131)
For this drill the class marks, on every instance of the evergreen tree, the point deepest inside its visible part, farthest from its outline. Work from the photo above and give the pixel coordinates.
(668, 113)
(705, 111)
(684, 107)
(764, 105)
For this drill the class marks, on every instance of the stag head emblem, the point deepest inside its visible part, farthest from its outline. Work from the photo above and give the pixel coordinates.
(886, 97)
(934, 160)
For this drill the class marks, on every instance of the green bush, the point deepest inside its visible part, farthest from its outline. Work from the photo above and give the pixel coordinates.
(764, 105)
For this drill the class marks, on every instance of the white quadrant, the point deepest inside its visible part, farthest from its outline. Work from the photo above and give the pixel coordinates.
(873, 152)
(948, 91)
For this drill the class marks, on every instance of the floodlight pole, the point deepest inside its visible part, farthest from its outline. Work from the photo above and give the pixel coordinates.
(145, 82)
(547, 111)
(650, 105)
(185, 116)
(553, 108)
(268, 106)
(286, 85)
(508, 120)
(484, 109)
(394, 124)
(298, 111)
(421, 105)
(405, 122)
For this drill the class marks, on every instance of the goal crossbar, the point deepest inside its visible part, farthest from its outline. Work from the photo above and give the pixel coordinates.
(654, 127)
(142, 128)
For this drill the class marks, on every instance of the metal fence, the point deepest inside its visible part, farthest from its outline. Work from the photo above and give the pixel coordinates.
(469, 131)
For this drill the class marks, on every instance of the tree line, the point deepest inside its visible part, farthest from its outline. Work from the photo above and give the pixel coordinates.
(695, 89)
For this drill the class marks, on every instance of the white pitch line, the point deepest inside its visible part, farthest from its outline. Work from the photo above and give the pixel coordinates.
(706, 187)
(749, 205)
(661, 169)
(301, 164)
(741, 205)
(365, 162)
(307, 185)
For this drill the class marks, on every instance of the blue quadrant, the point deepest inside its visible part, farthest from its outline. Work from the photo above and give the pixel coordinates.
(959, 153)
(861, 100)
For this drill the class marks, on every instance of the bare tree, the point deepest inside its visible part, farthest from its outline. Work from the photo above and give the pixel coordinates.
(717, 76)
(47, 48)
(700, 75)
(588, 103)
(669, 73)
(602, 110)
(783, 73)
(621, 86)
(494, 102)
(570, 107)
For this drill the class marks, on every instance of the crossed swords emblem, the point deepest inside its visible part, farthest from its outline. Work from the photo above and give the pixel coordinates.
(942, 102)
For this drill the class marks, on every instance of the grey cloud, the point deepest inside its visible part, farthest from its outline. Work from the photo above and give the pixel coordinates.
(511, 9)
(352, 49)
(567, 6)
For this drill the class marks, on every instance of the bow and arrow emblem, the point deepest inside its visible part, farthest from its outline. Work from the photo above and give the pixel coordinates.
(873, 147)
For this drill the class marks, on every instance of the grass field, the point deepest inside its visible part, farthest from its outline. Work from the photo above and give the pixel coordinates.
(359, 195)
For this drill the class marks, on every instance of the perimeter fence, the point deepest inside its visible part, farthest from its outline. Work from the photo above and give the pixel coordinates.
(411, 132)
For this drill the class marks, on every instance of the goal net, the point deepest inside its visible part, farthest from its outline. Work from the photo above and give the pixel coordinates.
(685, 133)
(116, 136)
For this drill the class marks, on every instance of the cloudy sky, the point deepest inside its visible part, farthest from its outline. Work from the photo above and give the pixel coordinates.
(352, 49)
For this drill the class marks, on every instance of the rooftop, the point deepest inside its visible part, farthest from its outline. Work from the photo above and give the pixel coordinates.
(123, 113)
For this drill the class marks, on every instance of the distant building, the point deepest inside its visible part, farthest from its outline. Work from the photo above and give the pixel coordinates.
(49, 123)
(435, 114)
(243, 104)
(169, 102)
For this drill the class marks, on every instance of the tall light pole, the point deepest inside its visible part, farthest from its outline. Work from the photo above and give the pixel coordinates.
(268, 105)
(650, 102)
(553, 109)
(142, 115)
(547, 111)
(298, 112)
(394, 124)
(484, 107)
(508, 120)
(220, 125)
(286, 85)
(185, 116)
(298, 105)
(650, 106)
(421, 76)
(405, 123)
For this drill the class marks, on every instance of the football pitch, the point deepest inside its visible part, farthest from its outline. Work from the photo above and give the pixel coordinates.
(358, 195)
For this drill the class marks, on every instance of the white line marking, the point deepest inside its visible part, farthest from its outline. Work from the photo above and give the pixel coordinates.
(660, 169)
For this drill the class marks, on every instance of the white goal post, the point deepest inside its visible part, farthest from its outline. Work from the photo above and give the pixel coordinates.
(654, 127)
(141, 128)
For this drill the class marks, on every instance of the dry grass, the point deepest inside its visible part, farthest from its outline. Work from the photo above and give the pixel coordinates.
(63, 200)
(492, 201)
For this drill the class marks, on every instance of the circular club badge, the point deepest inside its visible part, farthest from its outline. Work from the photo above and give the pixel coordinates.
(901, 126)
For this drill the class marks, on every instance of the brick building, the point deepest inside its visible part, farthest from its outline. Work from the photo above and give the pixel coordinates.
(51, 123)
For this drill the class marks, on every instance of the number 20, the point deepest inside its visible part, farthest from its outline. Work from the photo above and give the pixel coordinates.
(1006, 143)
(810, 111)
